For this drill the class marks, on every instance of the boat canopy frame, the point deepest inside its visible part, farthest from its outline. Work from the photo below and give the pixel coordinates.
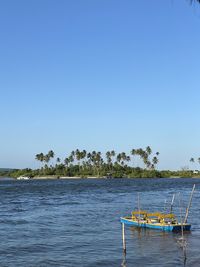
(154, 214)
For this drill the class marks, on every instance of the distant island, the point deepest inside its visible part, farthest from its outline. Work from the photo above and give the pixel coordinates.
(83, 164)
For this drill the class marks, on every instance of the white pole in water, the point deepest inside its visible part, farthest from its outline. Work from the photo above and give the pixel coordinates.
(189, 204)
(181, 217)
(139, 205)
(182, 242)
(123, 239)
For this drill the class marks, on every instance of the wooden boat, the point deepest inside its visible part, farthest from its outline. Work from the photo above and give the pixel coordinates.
(156, 220)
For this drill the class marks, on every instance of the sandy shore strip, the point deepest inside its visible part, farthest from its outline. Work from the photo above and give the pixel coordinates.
(63, 177)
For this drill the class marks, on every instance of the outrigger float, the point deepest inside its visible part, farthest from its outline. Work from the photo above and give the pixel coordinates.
(157, 220)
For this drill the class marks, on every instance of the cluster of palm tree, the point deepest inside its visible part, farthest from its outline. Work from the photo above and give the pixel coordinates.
(96, 163)
(45, 157)
(91, 160)
(96, 159)
(145, 157)
(192, 160)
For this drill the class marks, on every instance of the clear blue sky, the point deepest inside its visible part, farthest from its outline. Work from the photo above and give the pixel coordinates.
(99, 74)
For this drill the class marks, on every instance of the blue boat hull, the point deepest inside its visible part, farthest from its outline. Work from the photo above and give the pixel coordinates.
(169, 228)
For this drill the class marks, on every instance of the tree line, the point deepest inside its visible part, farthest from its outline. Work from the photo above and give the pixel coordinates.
(95, 163)
(138, 162)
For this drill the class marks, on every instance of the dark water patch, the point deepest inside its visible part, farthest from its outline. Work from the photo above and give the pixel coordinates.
(13, 221)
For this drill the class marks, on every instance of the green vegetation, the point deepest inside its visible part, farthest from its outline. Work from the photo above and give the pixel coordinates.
(94, 164)
(5, 172)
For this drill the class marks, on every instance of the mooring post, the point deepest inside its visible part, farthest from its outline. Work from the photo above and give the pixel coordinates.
(123, 239)
(189, 204)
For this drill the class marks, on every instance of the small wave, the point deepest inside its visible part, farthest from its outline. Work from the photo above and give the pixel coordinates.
(13, 222)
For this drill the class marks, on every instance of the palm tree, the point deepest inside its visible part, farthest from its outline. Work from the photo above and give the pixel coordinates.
(97, 161)
(124, 157)
(145, 158)
(89, 156)
(119, 158)
(73, 153)
(143, 154)
(148, 150)
(71, 158)
(146, 162)
(108, 158)
(39, 157)
(139, 152)
(155, 161)
(128, 158)
(67, 161)
(82, 156)
(112, 155)
(78, 157)
(51, 154)
(93, 159)
(133, 152)
(192, 160)
(77, 154)
(46, 158)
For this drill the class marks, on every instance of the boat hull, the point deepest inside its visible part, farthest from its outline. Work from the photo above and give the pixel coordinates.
(157, 226)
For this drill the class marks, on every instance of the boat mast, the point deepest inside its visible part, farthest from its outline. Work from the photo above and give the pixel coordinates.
(172, 203)
(165, 206)
(189, 204)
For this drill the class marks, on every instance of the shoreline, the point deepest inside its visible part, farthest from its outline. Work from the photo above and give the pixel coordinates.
(63, 177)
(92, 177)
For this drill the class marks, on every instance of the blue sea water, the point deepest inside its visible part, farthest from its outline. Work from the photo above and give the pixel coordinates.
(76, 223)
